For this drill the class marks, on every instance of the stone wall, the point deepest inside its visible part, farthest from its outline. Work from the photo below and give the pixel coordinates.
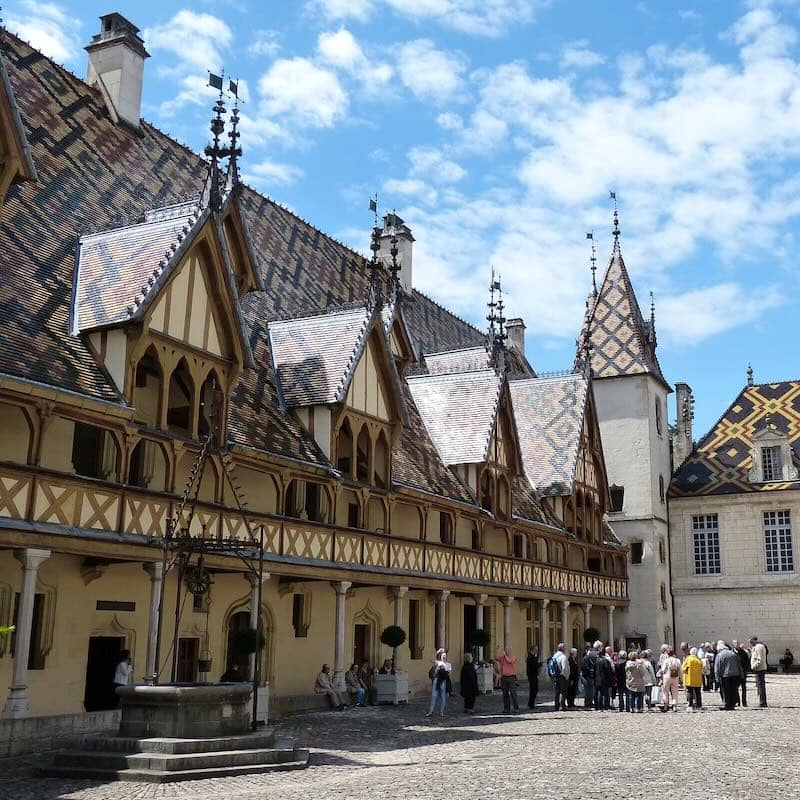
(35, 734)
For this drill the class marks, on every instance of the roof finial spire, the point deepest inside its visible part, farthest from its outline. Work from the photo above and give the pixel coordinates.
(492, 305)
(497, 335)
(212, 195)
(616, 231)
(593, 261)
(750, 381)
(234, 150)
(375, 295)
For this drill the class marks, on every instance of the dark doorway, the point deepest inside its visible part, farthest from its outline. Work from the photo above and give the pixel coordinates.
(470, 624)
(239, 621)
(188, 655)
(101, 663)
(635, 643)
(361, 644)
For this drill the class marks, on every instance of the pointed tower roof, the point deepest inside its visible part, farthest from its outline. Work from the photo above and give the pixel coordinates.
(620, 341)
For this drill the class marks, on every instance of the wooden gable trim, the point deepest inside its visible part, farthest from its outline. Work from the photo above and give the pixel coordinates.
(250, 279)
(504, 407)
(16, 163)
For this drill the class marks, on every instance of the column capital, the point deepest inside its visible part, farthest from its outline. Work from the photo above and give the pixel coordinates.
(612, 609)
(480, 599)
(443, 594)
(545, 602)
(252, 579)
(341, 587)
(398, 592)
(155, 569)
(31, 557)
(587, 607)
(565, 604)
(507, 601)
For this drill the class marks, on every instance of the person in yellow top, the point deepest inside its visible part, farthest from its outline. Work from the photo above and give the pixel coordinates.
(692, 668)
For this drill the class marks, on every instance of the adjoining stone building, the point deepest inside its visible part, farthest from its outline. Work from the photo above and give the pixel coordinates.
(733, 500)
(402, 467)
(631, 396)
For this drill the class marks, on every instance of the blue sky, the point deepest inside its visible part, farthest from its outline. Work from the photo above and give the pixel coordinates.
(496, 128)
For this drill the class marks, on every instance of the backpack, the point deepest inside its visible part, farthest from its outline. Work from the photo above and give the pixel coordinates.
(553, 669)
(432, 672)
(673, 671)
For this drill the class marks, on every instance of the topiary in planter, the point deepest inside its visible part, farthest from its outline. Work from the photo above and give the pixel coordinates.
(393, 636)
(479, 638)
(243, 642)
(591, 635)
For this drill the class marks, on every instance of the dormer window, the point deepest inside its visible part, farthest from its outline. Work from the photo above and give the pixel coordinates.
(771, 464)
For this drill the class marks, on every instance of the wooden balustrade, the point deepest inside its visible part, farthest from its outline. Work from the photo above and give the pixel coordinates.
(42, 496)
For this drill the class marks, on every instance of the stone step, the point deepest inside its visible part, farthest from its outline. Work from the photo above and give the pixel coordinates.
(300, 761)
(170, 762)
(122, 744)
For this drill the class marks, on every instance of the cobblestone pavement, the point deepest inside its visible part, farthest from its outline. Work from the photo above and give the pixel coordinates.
(388, 752)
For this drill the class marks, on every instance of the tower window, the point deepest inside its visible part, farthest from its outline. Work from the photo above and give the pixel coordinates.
(664, 596)
(661, 495)
(659, 424)
(662, 551)
(637, 552)
(617, 497)
(771, 463)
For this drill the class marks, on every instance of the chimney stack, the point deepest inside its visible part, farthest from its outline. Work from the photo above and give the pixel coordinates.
(682, 440)
(116, 66)
(394, 226)
(515, 328)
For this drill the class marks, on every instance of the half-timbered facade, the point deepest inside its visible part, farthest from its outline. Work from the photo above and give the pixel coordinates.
(394, 470)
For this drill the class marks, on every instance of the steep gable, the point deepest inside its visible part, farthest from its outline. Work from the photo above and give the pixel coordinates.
(16, 162)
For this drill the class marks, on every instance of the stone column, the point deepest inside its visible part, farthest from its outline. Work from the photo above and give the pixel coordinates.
(507, 604)
(155, 569)
(254, 612)
(17, 700)
(441, 633)
(610, 611)
(565, 623)
(480, 602)
(398, 593)
(339, 667)
(544, 633)
(587, 618)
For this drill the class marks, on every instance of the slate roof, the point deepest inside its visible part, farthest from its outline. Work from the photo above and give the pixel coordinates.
(621, 341)
(7, 97)
(314, 355)
(549, 414)
(94, 175)
(458, 411)
(473, 358)
(721, 460)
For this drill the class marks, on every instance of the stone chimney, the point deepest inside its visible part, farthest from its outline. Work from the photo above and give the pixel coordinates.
(116, 66)
(515, 328)
(682, 440)
(394, 226)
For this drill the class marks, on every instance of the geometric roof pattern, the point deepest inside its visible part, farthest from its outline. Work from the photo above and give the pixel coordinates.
(7, 99)
(459, 412)
(621, 342)
(549, 414)
(720, 462)
(469, 359)
(314, 356)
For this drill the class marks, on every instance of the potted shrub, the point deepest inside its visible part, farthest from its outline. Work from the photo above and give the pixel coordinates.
(392, 688)
(479, 639)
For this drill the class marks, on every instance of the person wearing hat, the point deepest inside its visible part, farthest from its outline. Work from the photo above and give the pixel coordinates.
(758, 663)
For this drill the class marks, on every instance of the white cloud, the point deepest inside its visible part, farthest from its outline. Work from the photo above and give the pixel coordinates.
(309, 94)
(429, 162)
(48, 28)
(579, 55)
(411, 187)
(340, 49)
(690, 15)
(197, 39)
(700, 313)
(273, 173)
(342, 9)
(431, 74)
(264, 43)
(194, 91)
(450, 121)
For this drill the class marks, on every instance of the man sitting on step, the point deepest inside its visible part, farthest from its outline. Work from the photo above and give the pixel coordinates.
(324, 685)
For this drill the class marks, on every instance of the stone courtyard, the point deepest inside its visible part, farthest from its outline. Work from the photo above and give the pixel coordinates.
(385, 752)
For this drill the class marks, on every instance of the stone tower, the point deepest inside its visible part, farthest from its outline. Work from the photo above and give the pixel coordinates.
(631, 396)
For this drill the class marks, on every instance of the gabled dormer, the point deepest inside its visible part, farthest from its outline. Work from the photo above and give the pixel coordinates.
(16, 163)
(468, 417)
(159, 304)
(771, 455)
(402, 344)
(336, 371)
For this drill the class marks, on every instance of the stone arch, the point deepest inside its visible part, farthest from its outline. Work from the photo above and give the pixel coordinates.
(267, 628)
(111, 626)
(368, 616)
(148, 387)
(16, 433)
(181, 399)
(148, 466)
(212, 385)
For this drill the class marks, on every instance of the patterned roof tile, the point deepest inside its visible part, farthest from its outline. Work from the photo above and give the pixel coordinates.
(549, 415)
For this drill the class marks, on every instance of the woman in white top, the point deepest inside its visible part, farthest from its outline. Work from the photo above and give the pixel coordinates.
(439, 675)
(122, 674)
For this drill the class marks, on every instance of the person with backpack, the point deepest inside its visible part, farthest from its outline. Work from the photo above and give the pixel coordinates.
(670, 679)
(558, 670)
(439, 674)
(587, 673)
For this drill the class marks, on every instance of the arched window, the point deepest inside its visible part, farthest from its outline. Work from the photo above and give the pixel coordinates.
(518, 545)
(16, 434)
(376, 513)
(147, 388)
(661, 488)
(306, 500)
(476, 537)
(180, 403)
(382, 456)
(662, 551)
(363, 450)
(148, 467)
(503, 499)
(658, 416)
(210, 398)
(344, 449)
(445, 528)
(95, 452)
(487, 491)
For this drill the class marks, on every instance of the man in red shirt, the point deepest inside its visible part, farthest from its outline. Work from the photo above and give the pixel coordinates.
(508, 678)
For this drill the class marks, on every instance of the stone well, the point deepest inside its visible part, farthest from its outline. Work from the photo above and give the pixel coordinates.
(185, 711)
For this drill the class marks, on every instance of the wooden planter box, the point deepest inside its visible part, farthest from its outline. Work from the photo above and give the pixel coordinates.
(392, 688)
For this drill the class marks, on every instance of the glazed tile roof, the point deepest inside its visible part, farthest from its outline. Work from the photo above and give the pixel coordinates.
(620, 339)
(470, 359)
(527, 504)
(721, 460)
(459, 412)
(8, 99)
(314, 355)
(549, 414)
